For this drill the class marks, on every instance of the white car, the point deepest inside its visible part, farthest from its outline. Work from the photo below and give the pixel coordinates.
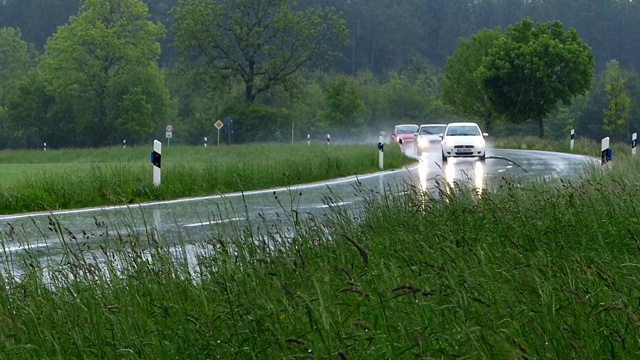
(428, 137)
(463, 139)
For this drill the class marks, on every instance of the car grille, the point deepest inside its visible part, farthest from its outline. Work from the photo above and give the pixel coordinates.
(463, 147)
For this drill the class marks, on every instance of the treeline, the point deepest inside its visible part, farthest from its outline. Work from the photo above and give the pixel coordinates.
(386, 34)
(70, 78)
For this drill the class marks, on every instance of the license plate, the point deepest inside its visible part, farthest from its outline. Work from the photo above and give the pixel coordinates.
(463, 151)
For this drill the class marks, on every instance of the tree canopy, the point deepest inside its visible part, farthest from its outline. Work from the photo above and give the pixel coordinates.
(17, 57)
(617, 113)
(92, 65)
(533, 68)
(262, 43)
(462, 89)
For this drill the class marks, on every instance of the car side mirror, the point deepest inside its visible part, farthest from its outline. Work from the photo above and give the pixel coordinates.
(441, 136)
(485, 134)
(416, 134)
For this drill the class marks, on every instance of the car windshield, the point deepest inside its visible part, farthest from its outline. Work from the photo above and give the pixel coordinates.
(406, 129)
(463, 130)
(432, 130)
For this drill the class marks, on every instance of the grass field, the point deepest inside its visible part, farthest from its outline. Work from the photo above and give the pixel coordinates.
(62, 179)
(530, 271)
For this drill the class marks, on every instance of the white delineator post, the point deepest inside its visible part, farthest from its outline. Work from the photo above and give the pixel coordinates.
(380, 153)
(308, 139)
(634, 142)
(45, 146)
(328, 139)
(606, 152)
(573, 137)
(156, 157)
(205, 141)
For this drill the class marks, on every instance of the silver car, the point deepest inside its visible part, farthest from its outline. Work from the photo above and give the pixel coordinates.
(428, 137)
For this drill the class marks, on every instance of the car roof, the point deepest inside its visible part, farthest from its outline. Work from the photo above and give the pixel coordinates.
(433, 125)
(463, 124)
(406, 125)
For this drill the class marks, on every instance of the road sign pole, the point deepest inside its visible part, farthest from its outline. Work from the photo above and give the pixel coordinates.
(169, 130)
(219, 126)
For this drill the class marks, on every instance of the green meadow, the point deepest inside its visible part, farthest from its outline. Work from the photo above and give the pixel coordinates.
(62, 179)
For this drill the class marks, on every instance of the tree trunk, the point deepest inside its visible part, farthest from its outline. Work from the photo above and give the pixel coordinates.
(488, 123)
(541, 127)
(249, 96)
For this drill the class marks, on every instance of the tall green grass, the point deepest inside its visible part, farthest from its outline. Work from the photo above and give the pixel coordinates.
(61, 179)
(532, 270)
(581, 146)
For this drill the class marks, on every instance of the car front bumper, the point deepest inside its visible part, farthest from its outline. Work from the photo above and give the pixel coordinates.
(463, 151)
(427, 144)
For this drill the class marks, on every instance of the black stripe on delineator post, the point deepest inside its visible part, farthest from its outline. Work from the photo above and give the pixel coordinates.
(156, 159)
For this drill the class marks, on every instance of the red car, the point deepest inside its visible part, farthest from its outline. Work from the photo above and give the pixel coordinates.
(404, 133)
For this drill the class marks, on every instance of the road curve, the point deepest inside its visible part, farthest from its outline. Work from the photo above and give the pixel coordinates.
(192, 219)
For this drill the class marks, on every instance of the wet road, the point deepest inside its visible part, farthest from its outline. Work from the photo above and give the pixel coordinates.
(199, 219)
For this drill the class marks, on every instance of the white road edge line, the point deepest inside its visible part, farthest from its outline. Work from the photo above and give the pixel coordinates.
(25, 247)
(335, 204)
(214, 222)
(212, 197)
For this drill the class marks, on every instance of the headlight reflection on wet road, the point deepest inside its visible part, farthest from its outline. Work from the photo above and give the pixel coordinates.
(467, 171)
(471, 172)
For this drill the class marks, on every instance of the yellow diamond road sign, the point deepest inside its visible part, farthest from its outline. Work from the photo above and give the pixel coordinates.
(219, 124)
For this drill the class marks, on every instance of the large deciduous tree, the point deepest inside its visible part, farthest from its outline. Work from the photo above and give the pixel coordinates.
(345, 108)
(533, 68)
(618, 110)
(263, 43)
(462, 88)
(108, 45)
(16, 58)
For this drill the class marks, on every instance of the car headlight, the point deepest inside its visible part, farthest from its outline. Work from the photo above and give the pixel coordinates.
(423, 143)
(479, 142)
(448, 142)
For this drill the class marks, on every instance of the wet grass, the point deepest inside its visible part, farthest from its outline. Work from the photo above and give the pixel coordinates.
(532, 270)
(63, 179)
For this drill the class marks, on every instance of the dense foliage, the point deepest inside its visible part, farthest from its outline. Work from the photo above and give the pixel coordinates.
(533, 68)
(180, 63)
